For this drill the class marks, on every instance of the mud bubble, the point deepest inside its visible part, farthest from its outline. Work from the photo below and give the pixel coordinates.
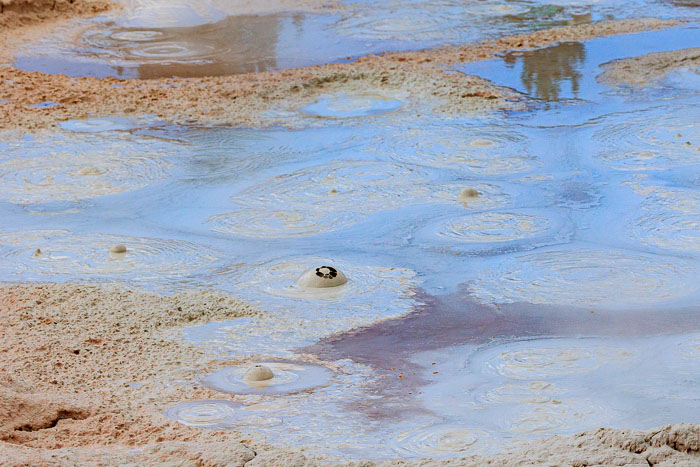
(280, 378)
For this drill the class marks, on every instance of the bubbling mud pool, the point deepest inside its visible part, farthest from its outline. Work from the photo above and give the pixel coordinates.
(566, 228)
(285, 378)
(68, 167)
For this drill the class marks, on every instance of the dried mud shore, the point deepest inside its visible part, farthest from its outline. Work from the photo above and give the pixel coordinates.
(264, 99)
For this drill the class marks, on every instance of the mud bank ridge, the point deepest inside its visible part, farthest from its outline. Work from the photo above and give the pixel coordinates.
(268, 98)
(92, 366)
(649, 69)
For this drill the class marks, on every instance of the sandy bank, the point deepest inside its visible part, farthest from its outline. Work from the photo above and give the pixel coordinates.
(648, 69)
(88, 371)
(93, 366)
(16, 14)
(272, 98)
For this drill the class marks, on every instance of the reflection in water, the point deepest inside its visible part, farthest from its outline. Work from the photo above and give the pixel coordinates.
(237, 44)
(156, 38)
(544, 70)
(37, 254)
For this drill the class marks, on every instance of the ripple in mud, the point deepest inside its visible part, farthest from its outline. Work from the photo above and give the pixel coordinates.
(487, 227)
(220, 154)
(197, 45)
(288, 378)
(689, 349)
(671, 218)
(70, 168)
(206, 414)
(323, 199)
(64, 253)
(440, 440)
(558, 416)
(347, 106)
(535, 360)
(479, 150)
(650, 139)
(488, 233)
(536, 392)
(586, 277)
(371, 294)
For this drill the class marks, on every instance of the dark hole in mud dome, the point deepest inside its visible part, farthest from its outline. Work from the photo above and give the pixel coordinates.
(440, 322)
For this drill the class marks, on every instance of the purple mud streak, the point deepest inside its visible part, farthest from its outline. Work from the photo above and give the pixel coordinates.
(458, 319)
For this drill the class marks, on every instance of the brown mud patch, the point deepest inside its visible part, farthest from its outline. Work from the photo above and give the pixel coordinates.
(267, 98)
(648, 69)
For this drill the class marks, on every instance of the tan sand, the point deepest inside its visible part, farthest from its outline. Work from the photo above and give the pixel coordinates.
(15, 14)
(263, 99)
(649, 69)
(68, 354)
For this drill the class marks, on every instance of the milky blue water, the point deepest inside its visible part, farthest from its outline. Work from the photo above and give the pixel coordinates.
(588, 205)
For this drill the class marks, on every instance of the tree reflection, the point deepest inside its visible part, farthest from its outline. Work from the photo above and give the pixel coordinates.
(545, 70)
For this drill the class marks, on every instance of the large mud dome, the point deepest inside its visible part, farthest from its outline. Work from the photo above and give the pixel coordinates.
(443, 266)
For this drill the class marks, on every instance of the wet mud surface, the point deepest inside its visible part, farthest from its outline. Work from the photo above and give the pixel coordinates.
(518, 229)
